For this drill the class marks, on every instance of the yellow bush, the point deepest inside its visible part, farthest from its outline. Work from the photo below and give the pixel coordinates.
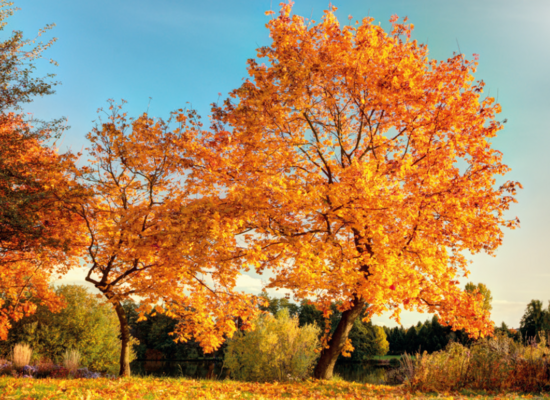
(277, 349)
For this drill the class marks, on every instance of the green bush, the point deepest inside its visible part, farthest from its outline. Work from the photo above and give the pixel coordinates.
(278, 349)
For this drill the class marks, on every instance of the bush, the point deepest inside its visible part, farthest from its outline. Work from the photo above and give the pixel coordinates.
(277, 349)
(493, 364)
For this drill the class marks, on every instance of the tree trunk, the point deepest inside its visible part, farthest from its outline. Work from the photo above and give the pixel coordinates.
(125, 337)
(325, 365)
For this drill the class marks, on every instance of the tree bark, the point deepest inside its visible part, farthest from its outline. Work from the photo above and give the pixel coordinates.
(325, 365)
(125, 337)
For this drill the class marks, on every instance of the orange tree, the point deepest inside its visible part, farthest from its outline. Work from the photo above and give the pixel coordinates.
(34, 184)
(36, 232)
(152, 236)
(364, 170)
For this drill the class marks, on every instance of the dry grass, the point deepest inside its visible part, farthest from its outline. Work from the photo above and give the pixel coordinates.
(496, 364)
(21, 355)
(71, 360)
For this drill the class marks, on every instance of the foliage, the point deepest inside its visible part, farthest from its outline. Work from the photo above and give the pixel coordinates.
(534, 320)
(166, 388)
(368, 341)
(492, 364)
(277, 349)
(428, 336)
(274, 304)
(21, 355)
(35, 232)
(190, 389)
(153, 333)
(485, 292)
(151, 234)
(363, 169)
(86, 324)
(511, 333)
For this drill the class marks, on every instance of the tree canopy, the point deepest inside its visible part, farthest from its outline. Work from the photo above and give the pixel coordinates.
(35, 231)
(150, 234)
(363, 169)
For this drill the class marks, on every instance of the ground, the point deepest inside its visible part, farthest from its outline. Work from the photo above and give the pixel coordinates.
(181, 388)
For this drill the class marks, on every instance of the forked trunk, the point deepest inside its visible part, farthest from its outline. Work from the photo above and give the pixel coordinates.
(125, 337)
(325, 365)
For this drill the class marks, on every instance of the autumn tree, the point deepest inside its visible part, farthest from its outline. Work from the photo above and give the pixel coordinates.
(364, 169)
(152, 236)
(485, 292)
(34, 184)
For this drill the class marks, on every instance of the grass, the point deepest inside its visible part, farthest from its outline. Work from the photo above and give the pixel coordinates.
(71, 360)
(171, 388)
(21, 354)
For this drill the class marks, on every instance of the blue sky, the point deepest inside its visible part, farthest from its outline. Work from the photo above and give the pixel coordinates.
(178, 51)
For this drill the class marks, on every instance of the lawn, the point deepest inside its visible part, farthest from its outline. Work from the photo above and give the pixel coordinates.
(170, 388)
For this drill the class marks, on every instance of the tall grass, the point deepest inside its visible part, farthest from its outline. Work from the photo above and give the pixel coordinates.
(495, 364)
(21, 355)
(71, 360)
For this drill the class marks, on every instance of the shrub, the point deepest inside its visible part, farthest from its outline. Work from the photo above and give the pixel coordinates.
(277, 349)
(59, 372)
(21, 355)
(494, 364)
(44, 368)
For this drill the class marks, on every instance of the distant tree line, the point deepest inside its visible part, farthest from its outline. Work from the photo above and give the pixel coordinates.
(90, 325)
(432, 336)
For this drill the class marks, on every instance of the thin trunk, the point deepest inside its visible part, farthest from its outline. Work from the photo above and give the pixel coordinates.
(325, 365)
(125, 337)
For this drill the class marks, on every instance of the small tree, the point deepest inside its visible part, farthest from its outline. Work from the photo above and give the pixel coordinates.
(277, 349)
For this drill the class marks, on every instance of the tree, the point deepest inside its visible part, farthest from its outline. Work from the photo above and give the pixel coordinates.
(152, 235)
(367, 340)
(485, 292)
(85, 323)
(511, 333)
(154, 333)
(34, 184)
(363, 170)
(274, 304)
(534, 320)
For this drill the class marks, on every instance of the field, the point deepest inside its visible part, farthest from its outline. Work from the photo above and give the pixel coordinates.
(170, 388)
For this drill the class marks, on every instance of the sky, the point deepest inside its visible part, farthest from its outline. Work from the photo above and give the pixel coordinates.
(167, 54)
